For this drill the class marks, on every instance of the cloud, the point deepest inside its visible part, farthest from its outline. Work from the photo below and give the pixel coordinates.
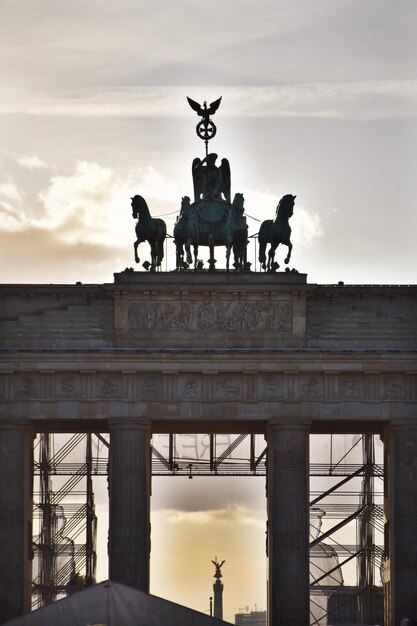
(92, 204)
(32, 162)
(77, 220)
(232, 514)
(9, 190)
(306, 225)
(363, 100)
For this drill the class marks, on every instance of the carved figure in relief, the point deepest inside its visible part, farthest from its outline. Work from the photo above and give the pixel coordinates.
(149, 386)
(228, 388)
(68, 386)
(26, 386)
(190, 388)
(392, 388)
(312, 388)
(109, 388)
(270, 386)
(350, 387)
(210, 316)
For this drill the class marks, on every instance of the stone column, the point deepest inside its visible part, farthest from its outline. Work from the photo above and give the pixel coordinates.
(218, 599)
(401, 523)
(16, 487)
(288, 525)
(129, 486)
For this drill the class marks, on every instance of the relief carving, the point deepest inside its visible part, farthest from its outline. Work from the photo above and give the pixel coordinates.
(190, 388)
(150, 387)
(109, 388)
(393, 388)
(228, 388)
(312, 388)
(210, 316)
(159, 316)
(271, 386)
(26, 387)
(351, 387)
(67, 386)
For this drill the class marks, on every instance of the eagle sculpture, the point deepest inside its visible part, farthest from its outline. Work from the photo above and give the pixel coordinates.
(204, 111)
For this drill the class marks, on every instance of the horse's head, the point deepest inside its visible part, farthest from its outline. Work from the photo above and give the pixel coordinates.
(185, 204)
(138, 203)
(238, 201)
(285, 206)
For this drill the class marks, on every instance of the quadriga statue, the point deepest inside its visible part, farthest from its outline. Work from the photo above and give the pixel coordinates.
(150, 229)
(276, 231)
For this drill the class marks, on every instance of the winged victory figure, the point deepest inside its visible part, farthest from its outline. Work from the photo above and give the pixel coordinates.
(210, 181)
(217, 565)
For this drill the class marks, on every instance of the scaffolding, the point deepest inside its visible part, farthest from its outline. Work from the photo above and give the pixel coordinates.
(64, 545)
(346, 510)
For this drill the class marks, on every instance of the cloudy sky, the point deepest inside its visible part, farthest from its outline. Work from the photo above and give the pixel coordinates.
(319, 100)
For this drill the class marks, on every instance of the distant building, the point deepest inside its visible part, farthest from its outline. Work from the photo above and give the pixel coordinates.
(343, 606)
(254, 618)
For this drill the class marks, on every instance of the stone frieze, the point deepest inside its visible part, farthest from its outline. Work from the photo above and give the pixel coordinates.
(210, 316)
(173, 386)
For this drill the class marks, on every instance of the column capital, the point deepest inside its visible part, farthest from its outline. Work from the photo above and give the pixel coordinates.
(14, 422)
(285, 424)
(141, 423)
(402, 425)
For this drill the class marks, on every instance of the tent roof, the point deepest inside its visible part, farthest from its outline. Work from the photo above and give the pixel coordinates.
(113, 604)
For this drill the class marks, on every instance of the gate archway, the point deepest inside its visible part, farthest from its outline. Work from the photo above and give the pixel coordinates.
(227, 354)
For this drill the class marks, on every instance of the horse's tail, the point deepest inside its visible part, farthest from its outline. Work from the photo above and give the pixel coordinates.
(160, 252)
(161, 241)
(262, 252)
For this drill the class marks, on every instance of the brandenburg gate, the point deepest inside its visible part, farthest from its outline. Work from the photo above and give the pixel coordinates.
(206, 351)
(266, 352)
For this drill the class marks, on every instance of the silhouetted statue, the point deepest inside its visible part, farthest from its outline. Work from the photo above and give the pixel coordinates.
(204, 111)
(209, 180)
(206, 128)
(217, 565)
(149, 229)
(237, 234)
(185, 234)
(275, 232)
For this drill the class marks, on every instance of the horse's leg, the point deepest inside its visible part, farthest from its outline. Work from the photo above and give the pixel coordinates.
(262, 253)
(237, 261)
(228, 249)
(153, 257)
(289, 244)
(242, 250)
(195, 255)
(178, 256)
(271, 255)
(159, 252)
(188, 253)
(212, 262)
(135, 247)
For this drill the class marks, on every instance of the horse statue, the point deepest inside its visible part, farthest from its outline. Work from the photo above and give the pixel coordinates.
(237, 234)
(150, 229)
(275, 232)
(184, 235)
